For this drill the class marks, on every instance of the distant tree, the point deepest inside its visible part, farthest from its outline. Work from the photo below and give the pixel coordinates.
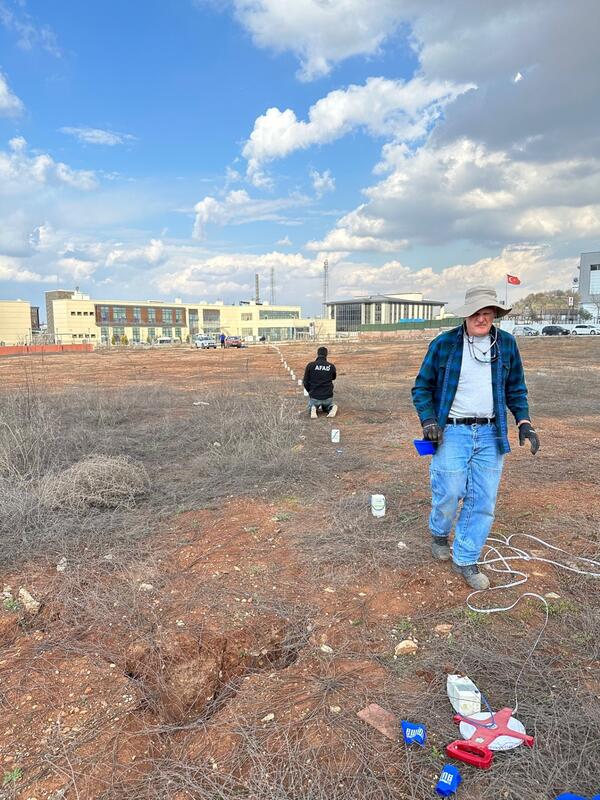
(540, 305)
(124, 340)
(114, 339)
(584, 314)
(595, 300)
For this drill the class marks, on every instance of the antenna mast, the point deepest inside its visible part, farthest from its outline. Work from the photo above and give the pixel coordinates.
(256, 288)
(272, 286)
(325, 286)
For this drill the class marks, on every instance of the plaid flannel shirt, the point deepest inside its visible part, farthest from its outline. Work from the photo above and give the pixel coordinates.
(437, 381)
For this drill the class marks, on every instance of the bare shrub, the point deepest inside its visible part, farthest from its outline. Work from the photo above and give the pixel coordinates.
(97, 482)
(28, 435)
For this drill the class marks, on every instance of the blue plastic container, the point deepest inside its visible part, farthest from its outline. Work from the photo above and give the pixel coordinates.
(448, 781)
(569, 796)
(424, 447)
(413, 732)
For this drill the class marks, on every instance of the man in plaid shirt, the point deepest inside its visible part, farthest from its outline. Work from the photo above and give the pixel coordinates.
(468, 378)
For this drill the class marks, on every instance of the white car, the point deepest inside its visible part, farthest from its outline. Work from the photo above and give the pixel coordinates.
(585, 330)
(204, 342)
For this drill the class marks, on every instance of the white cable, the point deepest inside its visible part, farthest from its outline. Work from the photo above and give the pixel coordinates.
(523, 577)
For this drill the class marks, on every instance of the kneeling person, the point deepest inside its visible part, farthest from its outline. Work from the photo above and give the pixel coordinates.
(319, 376)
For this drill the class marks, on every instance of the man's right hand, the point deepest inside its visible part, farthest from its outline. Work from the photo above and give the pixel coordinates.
(432, 431)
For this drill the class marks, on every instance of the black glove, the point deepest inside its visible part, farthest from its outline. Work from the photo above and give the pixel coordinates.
(526, 431)
(432, 431)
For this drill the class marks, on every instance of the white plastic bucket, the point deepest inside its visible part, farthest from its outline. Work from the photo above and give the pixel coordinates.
(378, 505)
(299, 381)
(305, 393)
(463, 694)
(335, 435)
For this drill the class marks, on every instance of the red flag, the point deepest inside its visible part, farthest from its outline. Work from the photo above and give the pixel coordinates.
(512, 279)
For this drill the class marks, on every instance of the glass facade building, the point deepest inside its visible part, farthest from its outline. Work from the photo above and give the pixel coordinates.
(351, 315)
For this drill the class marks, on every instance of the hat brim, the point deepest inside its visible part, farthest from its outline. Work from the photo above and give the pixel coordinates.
(471, 308)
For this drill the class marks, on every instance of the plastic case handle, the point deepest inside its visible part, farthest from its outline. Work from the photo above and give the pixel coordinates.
(470, 753)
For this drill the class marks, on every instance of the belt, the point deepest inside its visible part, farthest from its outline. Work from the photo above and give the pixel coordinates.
(471, 420)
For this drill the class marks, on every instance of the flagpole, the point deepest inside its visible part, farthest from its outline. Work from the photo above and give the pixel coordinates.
(506, 290)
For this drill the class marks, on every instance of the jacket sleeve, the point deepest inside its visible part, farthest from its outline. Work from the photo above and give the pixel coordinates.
(515, 388)
(306, 379)
(425, 382)
(333, 372)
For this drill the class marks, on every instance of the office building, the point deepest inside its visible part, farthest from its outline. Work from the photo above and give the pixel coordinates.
(589, 283)
(15, 322)
(75, 317)
(351, 315)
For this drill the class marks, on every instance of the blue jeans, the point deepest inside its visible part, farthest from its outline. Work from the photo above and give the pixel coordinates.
(326, 404)
(467, 466)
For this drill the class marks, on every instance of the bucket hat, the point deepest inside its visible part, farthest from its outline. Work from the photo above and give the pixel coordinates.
(479, 297)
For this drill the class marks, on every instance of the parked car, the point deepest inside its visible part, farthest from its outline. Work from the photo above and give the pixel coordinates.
(585, 330)
(204, 342)
(554, 330)
(525, 330)
(233, 341)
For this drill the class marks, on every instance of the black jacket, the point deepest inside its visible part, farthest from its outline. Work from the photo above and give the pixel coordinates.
(319, 376)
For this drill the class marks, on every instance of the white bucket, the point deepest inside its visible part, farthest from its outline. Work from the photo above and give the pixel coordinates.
(292, 376)
(305, 393)
(299, 381)
(463, 694)
(378, 505)
(335, 435)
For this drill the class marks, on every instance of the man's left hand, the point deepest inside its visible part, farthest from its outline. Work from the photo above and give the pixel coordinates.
(526, 431)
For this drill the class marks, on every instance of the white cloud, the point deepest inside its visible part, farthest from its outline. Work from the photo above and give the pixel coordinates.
(536, 266)
(285, 242)
(320, 32)
(392, 108)
(340, 240)
(12, 270)
(238, 207)
(98, 136)
(463, 190)
(10, 104)
(20, 171)
(30, 34)
(152, 253)
(75, 268)
(233, 272)
(322, 182)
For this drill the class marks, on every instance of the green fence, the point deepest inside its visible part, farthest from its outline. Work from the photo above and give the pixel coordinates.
(447, 322)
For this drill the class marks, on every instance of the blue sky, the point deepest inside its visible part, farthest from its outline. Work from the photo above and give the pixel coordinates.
(174, 149)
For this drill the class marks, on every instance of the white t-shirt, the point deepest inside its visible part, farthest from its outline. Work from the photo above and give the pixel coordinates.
(474, 397)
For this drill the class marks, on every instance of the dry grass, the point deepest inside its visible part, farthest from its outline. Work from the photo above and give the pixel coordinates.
(253, 442)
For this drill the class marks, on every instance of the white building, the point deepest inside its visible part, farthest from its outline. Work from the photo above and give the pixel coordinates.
(383, 309)
(589, 283)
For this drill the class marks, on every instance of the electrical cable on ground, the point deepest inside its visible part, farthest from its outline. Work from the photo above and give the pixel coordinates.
(519, 554)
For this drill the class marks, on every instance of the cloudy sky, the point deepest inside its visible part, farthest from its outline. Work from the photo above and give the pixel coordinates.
(158, 149)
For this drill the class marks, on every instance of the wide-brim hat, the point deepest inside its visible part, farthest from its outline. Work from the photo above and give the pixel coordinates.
(481, 297)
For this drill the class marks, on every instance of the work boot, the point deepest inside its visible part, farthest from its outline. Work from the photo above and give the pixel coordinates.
(332, 411)
(440, 549)
(472, 576)
(313, 412)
